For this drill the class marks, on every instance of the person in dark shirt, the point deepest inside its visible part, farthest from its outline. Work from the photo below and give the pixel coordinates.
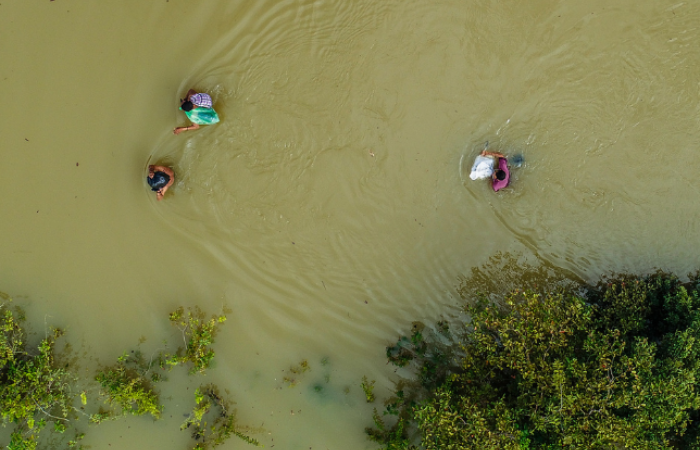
(160, 178)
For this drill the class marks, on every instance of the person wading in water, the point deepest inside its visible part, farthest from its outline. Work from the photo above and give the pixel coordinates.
(160, 178)
(484, 168)
(199, 108)
(501, 176)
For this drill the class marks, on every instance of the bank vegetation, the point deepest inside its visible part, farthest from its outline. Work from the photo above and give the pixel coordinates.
(607, 366)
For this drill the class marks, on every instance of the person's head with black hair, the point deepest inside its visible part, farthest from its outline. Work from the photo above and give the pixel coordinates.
(187, 105)
(500, 175)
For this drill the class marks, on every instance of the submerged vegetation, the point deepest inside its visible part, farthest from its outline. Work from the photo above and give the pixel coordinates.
(292, 377)
(221, 424)
(128, 387)
(197, 334)
(368, 389)
(615, 365)
(35, 391)
(38, 391)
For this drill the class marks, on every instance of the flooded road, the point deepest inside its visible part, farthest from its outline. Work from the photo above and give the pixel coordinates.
(331, 207)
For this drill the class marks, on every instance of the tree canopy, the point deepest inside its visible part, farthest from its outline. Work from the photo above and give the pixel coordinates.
(616, 365)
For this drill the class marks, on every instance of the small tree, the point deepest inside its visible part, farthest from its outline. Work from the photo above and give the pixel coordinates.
(616, 368)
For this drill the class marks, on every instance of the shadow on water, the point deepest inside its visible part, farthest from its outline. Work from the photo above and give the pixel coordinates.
(505, 272)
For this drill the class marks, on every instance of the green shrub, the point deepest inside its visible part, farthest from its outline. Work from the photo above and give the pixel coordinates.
(128, 387)
(38, 392)
(197, 334)
(210, 404)
(368, 389)
(35, 389)
(617, 366)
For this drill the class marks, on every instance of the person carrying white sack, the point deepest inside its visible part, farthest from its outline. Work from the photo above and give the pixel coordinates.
(484, 165)
(484, 168)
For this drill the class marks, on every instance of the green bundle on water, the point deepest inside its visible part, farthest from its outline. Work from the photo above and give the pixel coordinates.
(202, 116)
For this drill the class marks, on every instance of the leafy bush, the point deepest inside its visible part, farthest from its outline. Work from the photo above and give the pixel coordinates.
(127, 386)
(368, 389)
(616, 366)
(223, 425)
(35, 391)
(197, 334)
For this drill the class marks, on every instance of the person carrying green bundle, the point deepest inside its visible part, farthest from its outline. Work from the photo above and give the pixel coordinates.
(199, 109)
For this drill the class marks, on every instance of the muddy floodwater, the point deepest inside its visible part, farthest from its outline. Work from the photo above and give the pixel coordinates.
(331, 207)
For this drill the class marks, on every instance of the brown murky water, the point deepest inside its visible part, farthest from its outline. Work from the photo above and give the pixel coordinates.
(330, 207)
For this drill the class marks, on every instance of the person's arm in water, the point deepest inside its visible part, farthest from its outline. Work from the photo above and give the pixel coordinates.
(496, 154)
(179, 130)
(168, 171)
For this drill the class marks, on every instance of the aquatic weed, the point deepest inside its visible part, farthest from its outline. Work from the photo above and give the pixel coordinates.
(197, 334)
(367, 388)
(294, 372)
(223, 420)
(35, 388)
(128, 388)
